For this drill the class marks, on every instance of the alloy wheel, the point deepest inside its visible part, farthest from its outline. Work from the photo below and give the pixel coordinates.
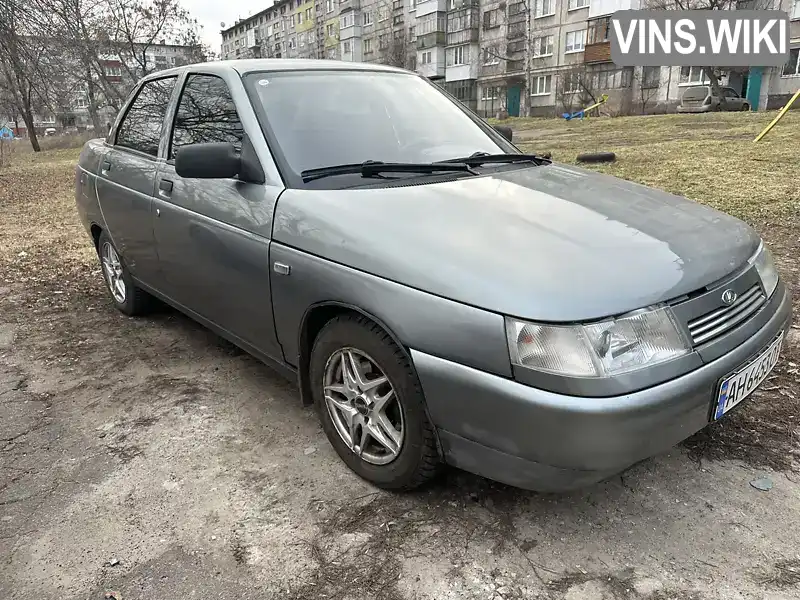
(363, 406)
(112, 267)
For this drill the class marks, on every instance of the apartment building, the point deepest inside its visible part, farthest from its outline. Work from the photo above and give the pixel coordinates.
(476, 50)
(121, 70)
(287, 29)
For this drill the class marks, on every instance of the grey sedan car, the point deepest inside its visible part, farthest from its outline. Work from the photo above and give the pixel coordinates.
(441, 297)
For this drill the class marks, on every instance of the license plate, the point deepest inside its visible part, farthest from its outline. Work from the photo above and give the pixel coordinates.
(741, 384)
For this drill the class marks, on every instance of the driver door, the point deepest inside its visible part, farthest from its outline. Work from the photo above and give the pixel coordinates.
(213, 235)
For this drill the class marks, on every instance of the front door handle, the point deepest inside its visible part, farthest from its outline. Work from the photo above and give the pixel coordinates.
(165, 187)
(105, 166)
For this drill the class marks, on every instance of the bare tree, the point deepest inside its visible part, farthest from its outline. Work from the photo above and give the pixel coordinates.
(648, 81)
(21, 66)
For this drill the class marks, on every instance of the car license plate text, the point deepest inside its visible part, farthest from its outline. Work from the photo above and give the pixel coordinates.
(741, 384)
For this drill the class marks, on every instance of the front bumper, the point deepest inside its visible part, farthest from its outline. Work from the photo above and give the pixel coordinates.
(534, 439)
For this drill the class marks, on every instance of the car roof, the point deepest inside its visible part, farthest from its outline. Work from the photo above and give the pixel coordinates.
(250, 65)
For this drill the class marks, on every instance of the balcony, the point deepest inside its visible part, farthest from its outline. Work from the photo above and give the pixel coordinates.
(599, 52)
(429, 40)
(349, 5)
(460, 4)
(465, 36)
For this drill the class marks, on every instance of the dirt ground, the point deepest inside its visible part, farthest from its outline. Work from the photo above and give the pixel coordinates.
(148, 459)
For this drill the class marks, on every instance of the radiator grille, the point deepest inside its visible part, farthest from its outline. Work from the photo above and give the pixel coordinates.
(721, 320)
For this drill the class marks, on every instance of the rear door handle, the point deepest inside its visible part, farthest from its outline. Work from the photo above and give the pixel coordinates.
(165, 187)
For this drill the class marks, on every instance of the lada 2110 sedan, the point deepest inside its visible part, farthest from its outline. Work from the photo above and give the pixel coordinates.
(439, 296)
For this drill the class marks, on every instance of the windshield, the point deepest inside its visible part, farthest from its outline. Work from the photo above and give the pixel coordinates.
(325, 118)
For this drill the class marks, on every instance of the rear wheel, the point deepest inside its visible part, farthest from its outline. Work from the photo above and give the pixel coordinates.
(126, 295)
(371, 405)
(745, 107)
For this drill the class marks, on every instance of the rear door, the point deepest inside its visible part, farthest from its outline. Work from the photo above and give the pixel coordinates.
(127, 175)
(213, 234)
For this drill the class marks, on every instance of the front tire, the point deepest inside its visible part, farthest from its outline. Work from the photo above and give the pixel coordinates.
(371, 405)
(125, 294)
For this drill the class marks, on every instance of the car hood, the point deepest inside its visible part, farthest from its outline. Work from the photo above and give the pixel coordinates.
(550, 243)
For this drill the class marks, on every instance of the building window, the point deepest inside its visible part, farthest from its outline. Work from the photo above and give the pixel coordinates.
(302, 39)
(397, 19)
(610, 77)
(651, 77)
(576, 4)
(543, 46)
(292, 43)
(383, 41)
(383, 13)
(542, 85)
(426, 58)
(795, 12)
(330, 30)
(599, 30)
(792, 66)
(309, 13)
(457, 56)
(433, 22)
(329, 6)
(299, 19)
(347, 47)
(367, 18)
(464, 90)
(545, 8)
(412, 33)
(367, 46)
(491, 93)
(397, 4)
(572, 83)
(490, 56)
(347, 21)
(490, 19)
(692, 75)
(575, 41)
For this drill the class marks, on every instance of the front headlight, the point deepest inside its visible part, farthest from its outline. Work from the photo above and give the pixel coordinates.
(634, 341)
(766, 269)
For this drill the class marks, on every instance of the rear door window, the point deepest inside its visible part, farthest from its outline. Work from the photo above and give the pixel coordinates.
(206, 113)
(729, 93)
(143, 123)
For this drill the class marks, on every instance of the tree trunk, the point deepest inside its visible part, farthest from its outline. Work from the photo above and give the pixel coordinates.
(716, 90)
(27, 117)
(526, 100)
(92, 100)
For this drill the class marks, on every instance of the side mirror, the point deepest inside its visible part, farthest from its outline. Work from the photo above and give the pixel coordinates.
(505, 131)
(208, 161)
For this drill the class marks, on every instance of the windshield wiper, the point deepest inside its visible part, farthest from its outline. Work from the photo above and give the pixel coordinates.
(482, 158)
(375, 168)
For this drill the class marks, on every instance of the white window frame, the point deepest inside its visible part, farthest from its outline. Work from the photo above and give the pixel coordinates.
(794, 14)
(490, 92)
(347, 47)
(383, 13)
(346, 21)
(538, 11)
(489, 57)
(548, 45)
(570, 90)
(796, 65)
(367, 18)
(703, 80)
(573, 47)
(577, 5)
(367, 45)
(329, 5)
(542, 81)
(429, 55)
(459, 55)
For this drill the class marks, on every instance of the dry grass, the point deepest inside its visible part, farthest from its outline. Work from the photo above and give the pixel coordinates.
(707, 157)
(38, 209)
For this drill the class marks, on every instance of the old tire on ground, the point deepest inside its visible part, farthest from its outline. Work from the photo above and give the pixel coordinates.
(126, 296)
(371, 405)
(596, 157)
